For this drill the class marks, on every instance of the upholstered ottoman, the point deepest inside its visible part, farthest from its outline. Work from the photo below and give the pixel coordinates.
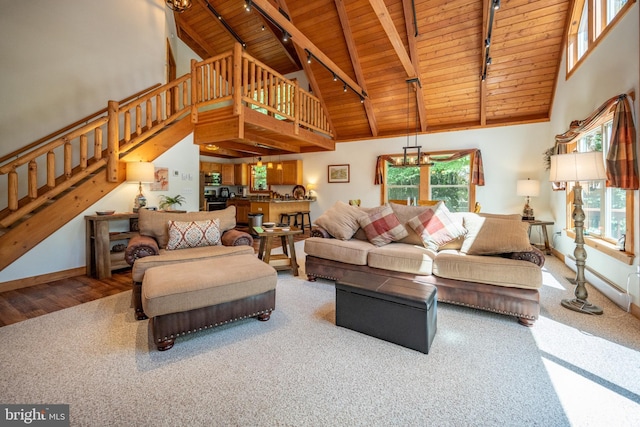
(188, 297)
(396, 310)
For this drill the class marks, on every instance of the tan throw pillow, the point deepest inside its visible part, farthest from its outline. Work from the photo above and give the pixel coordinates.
(382, 226)
(194, 234)
(489, 236)
(340, 220)
(436, 227)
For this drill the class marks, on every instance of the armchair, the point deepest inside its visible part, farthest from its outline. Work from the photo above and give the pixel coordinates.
(149, 249)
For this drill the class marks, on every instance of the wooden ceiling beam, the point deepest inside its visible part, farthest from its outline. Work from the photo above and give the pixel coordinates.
(412, 30)
(303, 42)
(355, 62)
(309, 73)
(392, 33)
(193, 34)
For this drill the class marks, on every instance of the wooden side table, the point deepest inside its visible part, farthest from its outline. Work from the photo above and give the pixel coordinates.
(286, 260)
(100, 260)
(543, 226)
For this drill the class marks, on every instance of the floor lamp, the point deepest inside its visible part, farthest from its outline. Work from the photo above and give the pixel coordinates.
(576, 167)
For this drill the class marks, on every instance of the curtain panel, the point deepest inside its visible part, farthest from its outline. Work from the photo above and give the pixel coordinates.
(621, 163)
(477, 169)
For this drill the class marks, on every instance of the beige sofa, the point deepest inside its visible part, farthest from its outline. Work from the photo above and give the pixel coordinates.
(154, 247)
(489, 265)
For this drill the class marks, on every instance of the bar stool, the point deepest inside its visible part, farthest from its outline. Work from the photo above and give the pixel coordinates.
(302, 224)
(285, 218)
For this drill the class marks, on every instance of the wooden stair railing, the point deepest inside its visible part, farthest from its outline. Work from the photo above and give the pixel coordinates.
(49, 168)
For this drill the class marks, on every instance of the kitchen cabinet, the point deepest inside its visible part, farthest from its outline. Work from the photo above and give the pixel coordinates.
(291, 173)
(102, 252)
(241, 174)
(210, 167)
(243, 207)
(228, 174)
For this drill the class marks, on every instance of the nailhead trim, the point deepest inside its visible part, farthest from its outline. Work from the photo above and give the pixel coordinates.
(178, 334)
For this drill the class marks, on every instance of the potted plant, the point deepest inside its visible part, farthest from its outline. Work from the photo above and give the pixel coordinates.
(168, 202)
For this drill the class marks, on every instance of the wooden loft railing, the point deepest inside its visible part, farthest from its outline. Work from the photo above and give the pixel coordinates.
(43, 170)
(262, 88)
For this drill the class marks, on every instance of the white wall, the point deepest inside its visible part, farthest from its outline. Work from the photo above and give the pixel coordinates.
(508, 153)
(610, 69)
(62, 61)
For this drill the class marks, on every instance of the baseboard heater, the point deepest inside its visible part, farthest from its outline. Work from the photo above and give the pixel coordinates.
(610, 290)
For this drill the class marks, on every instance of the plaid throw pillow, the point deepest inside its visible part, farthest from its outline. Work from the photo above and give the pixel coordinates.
(183, 235)
(381, 226)
(436, 227)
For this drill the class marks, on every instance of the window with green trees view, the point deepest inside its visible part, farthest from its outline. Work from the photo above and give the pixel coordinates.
(605, 208)
(441, 180)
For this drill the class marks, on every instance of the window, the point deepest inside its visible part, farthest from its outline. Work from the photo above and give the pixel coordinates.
(438, 180)
(590, 20)
(605, 208)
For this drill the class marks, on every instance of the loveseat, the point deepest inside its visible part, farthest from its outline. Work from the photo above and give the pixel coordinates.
(168, 238)
(481, 261)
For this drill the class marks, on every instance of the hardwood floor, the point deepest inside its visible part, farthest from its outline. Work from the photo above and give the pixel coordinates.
(34, 301)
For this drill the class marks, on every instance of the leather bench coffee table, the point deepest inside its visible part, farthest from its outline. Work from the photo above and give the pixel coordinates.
(396, 310)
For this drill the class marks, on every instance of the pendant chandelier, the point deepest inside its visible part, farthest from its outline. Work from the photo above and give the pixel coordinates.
(178, 6)
(408, 158)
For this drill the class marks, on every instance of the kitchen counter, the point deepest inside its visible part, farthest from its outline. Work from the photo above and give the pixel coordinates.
(270, 208)
(267, 200)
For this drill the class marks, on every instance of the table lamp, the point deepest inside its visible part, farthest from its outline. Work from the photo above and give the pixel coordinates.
(140, 172)
(578, 167)
(310, 188)
(528, 188)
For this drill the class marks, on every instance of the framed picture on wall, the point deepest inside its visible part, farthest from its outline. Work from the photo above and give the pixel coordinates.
(160, 180)
(338, 173)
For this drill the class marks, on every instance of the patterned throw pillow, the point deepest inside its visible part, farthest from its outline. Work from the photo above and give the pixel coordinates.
(381, 226)
(183, 235)
(436, 227)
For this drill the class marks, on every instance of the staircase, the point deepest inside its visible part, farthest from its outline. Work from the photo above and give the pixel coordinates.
(55, 179)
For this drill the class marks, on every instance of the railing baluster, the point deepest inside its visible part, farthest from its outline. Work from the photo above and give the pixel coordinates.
(84, 151)
(97, 143)
(67, 159)
(51, 169)
(12, 190)
(32, 180)
(138, 120)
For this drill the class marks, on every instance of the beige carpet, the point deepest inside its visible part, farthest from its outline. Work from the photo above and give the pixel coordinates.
(300, 369)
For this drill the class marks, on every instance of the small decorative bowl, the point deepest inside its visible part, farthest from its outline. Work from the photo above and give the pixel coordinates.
(105, 212)
(268, 224)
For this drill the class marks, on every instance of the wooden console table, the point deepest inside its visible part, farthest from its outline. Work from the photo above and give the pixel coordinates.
(545, 236)
(100, 260)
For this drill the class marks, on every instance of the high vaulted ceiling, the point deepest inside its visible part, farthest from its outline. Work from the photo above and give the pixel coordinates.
(374, 46)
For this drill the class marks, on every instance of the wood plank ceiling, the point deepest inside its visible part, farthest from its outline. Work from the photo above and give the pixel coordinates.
(375, 47)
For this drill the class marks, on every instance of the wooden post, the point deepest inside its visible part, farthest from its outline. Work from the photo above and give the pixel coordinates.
(51, 169)
(84, 151)
(113, 148)
(296, 108)
(194, 92)
(12, 183)
(32, 180)
(97, 144)
(236, 82)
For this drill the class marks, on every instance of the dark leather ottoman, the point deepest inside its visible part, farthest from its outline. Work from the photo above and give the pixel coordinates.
(396, 310)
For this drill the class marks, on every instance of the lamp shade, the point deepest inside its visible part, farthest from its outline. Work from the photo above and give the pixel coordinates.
(528, 187)
(140, 172)
(577, 167)
(311, 186)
